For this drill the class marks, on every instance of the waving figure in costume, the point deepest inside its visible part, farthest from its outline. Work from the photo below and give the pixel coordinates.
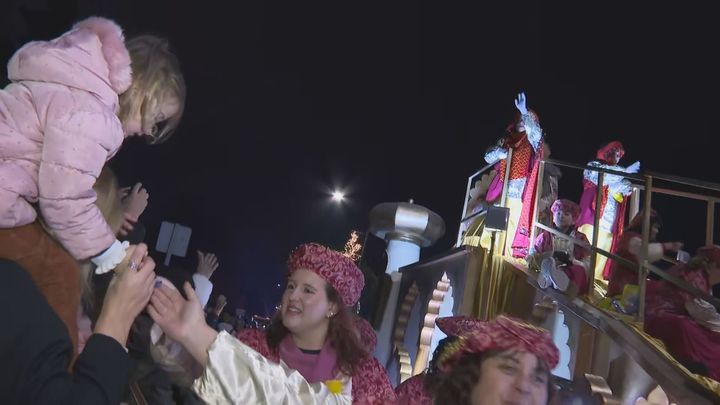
(525, 138)
(612, 207)
(310, 353)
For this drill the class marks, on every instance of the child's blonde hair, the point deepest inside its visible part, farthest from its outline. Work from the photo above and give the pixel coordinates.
(109, 199)
(156, 77)
(110, 204)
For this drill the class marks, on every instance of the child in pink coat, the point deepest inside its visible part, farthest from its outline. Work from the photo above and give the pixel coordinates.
(71, 103)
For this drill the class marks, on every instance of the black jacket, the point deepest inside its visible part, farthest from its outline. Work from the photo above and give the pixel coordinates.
(35, 352)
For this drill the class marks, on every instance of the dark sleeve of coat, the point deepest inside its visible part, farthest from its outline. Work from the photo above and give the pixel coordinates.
(35, 352)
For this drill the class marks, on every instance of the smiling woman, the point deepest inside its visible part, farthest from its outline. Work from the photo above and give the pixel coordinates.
(314, 330)
(310, 354)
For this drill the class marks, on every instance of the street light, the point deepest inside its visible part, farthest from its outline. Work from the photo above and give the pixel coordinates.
(338, 196)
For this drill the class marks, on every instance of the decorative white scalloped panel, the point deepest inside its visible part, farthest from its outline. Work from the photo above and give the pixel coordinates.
(561, 335)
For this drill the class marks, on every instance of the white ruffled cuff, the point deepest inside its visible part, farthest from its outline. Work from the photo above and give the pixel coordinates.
(495, 154)
(110, 258)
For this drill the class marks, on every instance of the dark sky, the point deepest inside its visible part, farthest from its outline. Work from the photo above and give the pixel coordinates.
(393, 102)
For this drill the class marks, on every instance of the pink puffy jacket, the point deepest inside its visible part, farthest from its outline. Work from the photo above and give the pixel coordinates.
(58, 127)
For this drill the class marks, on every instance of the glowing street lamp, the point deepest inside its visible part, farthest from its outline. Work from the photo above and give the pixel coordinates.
(338, 196)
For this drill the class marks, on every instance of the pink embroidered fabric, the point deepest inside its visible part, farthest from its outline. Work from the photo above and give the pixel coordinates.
(337, 269)
(458, 325)
(505, 333)
(370, 384)
(366, 333)
(412, 392)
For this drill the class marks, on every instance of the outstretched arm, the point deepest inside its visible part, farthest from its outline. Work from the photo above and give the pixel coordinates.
(532, 126)
(234, 372)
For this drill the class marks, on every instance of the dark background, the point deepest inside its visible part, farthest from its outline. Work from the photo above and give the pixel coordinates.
(391, 102)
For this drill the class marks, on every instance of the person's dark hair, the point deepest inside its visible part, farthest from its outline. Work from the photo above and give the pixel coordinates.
(433, 375)
(636, 224)
(341, 335)
(456, 386)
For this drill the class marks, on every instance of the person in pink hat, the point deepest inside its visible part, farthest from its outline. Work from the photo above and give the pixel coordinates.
(504, 361)
(313, 337)
(563, 264)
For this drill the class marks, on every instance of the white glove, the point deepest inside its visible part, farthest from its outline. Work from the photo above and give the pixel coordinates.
(633, 168)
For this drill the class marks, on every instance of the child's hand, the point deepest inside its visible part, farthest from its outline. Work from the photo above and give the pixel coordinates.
(134, 201)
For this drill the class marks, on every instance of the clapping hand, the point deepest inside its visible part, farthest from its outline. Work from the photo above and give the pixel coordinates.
(176, 316)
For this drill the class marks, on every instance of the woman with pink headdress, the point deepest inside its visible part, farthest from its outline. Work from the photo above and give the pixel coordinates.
(310, 352)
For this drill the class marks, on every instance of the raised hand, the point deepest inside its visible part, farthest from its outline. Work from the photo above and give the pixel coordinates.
(521, 103)
(134, 201)
(207, 263)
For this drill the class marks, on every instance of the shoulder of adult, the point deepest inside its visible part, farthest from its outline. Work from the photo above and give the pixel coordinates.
(256, 339)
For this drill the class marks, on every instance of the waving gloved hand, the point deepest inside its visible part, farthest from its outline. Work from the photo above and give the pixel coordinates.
(521, 103)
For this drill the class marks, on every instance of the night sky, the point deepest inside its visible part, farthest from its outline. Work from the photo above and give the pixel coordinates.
(392, 102)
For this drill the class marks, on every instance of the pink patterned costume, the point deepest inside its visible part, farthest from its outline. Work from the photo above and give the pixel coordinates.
(689, 327)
